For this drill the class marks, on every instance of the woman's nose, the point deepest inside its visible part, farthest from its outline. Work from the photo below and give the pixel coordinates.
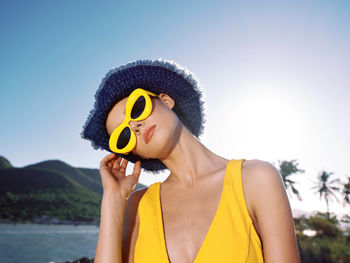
(136, 126)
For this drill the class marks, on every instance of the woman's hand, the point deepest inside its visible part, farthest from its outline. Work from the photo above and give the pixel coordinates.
(113, 176)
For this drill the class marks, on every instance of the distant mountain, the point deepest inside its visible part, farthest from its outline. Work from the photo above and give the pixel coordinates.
(4, 163)
(90, 181)
(50, 189)
(298, 213)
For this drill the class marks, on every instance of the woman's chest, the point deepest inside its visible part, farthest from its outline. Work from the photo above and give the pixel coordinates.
(200, 225)
(189, 215)
(186, 221)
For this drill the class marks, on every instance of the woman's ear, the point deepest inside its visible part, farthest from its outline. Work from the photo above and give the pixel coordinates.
(166, 99)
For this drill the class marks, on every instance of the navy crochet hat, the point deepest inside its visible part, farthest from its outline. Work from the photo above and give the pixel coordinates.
(157, 76)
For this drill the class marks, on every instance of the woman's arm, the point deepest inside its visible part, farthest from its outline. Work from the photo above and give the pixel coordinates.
(109, 242)
(273, 214)
(117, 188)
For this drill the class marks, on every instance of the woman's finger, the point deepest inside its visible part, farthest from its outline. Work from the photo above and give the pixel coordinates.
(111, 162)
(136, 174)
(124, 164)
(137, 169)
(116, 163)
(106, 159)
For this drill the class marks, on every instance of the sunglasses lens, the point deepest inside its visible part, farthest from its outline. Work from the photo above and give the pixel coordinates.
(138, 108)
(124, 138)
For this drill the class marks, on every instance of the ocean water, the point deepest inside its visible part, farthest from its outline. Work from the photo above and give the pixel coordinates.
(36, 243)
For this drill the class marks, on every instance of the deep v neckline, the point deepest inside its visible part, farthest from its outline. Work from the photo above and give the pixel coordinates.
(160, 214)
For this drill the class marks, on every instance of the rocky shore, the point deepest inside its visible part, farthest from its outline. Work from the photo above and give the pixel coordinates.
(81, 260)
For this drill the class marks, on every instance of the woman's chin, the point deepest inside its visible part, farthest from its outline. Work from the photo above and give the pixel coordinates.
(159, 146)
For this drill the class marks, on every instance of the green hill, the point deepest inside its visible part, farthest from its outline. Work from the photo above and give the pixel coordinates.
(92, 183)
(4, 163)
(50, 188)
(94, 174)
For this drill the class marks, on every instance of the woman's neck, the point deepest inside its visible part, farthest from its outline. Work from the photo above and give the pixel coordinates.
(190, 160)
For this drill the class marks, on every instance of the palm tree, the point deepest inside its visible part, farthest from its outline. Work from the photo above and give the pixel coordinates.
(346, 192)
(325, 187)
(286, 169)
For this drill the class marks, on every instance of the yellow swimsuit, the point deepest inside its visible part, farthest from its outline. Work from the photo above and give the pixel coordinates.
(230, 238)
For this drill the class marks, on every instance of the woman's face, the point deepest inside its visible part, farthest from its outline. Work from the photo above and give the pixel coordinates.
(165, 134)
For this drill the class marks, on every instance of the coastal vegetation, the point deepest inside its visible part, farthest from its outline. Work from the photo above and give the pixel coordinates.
(320, 237)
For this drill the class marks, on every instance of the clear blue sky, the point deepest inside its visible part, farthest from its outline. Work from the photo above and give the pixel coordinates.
(275, 73)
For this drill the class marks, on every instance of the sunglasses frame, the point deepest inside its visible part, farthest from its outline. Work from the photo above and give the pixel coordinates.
(113, 139)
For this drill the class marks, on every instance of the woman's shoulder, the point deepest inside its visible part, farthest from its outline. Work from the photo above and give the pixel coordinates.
(256, 176)
(256, 169)
(256, 164)
(258, 173)
(272, 210)
(138, 195)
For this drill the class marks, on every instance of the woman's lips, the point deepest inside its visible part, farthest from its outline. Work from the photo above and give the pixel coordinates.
(148, 133)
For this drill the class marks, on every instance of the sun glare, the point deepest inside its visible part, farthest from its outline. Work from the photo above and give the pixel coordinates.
(268, 123)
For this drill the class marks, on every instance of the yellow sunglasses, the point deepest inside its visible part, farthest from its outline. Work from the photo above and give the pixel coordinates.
(138, 107)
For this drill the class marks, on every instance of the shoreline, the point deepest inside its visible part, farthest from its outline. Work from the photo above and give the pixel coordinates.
(45, 220)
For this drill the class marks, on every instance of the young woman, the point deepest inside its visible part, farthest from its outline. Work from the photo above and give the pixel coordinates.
(209, 209)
